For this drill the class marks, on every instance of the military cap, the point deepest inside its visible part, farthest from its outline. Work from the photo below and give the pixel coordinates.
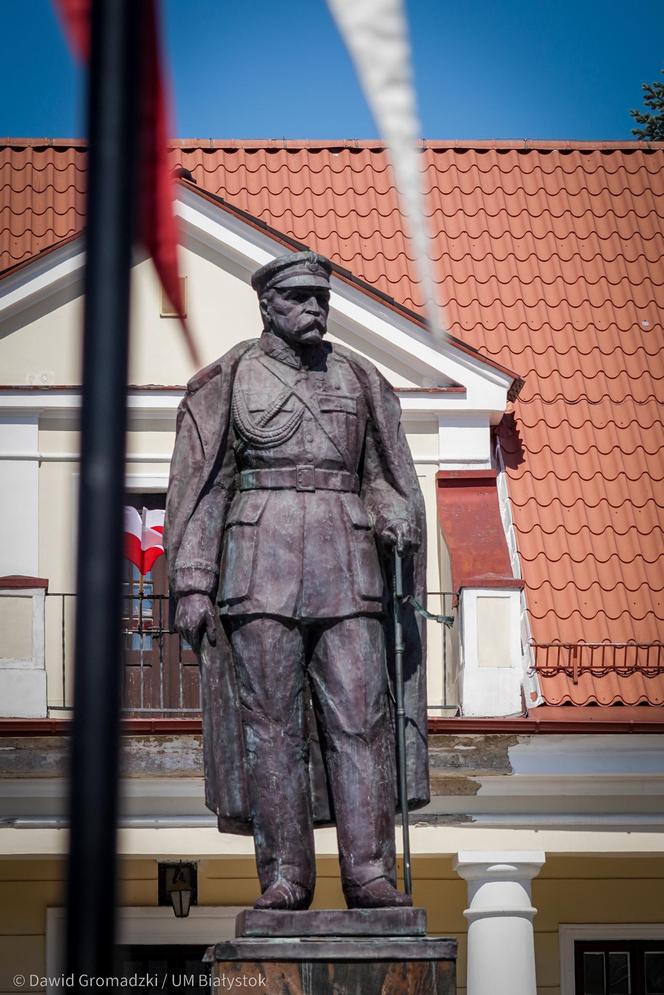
(297, 269)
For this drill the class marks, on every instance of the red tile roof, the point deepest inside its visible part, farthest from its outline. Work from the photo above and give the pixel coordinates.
(549, 260)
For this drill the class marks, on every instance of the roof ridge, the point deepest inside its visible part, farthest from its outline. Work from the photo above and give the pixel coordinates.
(509, 144)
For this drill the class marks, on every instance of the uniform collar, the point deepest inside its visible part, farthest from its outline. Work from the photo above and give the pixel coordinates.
(276, 347)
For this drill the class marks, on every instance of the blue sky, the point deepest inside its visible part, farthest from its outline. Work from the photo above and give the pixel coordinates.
(268, 69)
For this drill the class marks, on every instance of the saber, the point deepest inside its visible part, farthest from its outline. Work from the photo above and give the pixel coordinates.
(397, 593)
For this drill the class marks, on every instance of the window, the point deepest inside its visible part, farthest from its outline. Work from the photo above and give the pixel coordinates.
(146, 934)
(160, 673)
(619, 967)
(167, 310)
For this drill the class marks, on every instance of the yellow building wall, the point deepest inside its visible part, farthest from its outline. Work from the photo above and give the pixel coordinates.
(568, 890)
(591, 890)
(27, 888)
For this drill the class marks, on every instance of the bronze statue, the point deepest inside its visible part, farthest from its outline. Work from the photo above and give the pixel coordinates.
(291, 480)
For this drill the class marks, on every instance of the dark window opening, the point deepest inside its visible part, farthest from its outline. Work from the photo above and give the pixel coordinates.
(619, 967)
(175, 968)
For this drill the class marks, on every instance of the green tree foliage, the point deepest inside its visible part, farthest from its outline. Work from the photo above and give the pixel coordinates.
(653, 124)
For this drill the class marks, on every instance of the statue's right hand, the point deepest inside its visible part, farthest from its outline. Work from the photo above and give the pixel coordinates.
(194, 616)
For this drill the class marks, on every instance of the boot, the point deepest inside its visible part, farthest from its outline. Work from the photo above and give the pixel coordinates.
(377, 894)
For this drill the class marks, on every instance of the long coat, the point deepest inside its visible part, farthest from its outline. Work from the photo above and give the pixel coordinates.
(201, 487)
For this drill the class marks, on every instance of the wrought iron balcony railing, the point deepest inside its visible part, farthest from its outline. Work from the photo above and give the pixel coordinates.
(160, 670)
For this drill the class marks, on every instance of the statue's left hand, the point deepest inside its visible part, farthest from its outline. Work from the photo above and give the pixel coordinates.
(403, 534)
(194, 616)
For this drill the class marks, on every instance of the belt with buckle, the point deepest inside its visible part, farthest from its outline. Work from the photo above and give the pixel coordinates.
(299, 478)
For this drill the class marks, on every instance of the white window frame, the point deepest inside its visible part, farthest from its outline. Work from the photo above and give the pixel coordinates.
(569, 933)
(147, 925)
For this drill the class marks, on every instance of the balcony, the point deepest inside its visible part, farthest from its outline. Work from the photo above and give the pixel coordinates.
(160, 676)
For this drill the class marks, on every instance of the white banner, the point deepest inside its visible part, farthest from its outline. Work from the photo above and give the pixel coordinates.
(376, 34)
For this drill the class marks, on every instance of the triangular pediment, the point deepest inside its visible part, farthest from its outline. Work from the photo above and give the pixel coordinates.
(228, 246)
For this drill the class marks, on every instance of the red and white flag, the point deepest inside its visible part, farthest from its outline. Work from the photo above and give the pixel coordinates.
(143, 537)
(157, 228)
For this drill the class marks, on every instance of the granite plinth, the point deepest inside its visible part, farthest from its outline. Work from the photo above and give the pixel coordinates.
(343, 965)
(332, 922)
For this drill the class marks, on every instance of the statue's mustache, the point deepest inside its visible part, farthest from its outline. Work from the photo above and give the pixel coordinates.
(313, 320)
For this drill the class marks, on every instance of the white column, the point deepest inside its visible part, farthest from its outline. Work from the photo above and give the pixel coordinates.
(501, 944)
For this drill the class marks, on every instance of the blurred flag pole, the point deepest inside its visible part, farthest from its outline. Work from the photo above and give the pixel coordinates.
(112, 133)
(376, 35)
(130, 193)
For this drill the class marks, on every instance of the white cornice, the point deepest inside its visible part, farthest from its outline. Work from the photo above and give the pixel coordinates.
(37, 280)
(583, 786)
(67, 401)
(627, 800)
(163, 403)
(588, 755)
(50, 840)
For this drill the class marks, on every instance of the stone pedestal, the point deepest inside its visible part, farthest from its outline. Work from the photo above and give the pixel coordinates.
(335, 952)
(501, 943)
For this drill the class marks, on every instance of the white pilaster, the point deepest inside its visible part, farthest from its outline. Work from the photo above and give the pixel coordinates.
(501, 944)
(22, 657)
(491, 653)
(464, 440)
(19, 494)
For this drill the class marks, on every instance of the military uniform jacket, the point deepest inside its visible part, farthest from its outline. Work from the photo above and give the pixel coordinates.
(278, 515)
(298, 539)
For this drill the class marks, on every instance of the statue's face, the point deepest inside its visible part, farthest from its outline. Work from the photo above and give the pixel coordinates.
(298, 314)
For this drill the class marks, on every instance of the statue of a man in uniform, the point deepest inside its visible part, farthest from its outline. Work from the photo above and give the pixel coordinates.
(291, 484)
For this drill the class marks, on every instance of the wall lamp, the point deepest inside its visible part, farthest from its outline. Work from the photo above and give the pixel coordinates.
(178, 887)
